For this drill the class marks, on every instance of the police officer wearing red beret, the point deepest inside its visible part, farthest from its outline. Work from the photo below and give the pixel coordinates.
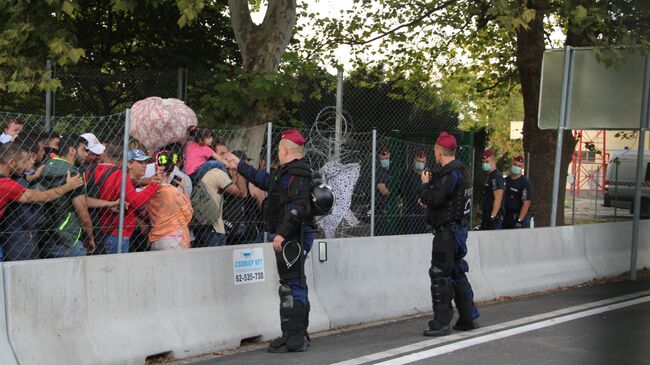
(287, 214)
(447, 197)
(519, 193)
(494, 187)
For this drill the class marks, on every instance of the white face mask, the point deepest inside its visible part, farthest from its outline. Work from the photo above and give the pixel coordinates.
(384, 163)
(419, 165)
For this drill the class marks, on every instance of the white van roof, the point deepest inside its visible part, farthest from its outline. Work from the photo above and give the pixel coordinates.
(628, 155)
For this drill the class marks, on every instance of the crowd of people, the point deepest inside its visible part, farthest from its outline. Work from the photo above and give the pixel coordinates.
(60, 195)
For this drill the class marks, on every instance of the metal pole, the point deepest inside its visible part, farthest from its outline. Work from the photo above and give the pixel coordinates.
(125, 151)
(48, 98)
(597, 189)
(373, 181)
(637, 200)
(565, 105)
(616, 162)
(269, 140)
(573, 200)
(339, 114)
(645, 123)
(527, 166)
(179, 84)
(473, 160)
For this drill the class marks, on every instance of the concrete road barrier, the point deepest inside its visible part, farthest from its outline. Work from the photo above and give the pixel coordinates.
(120, 309)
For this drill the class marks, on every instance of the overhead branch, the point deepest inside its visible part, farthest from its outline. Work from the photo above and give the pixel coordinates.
(413, 22)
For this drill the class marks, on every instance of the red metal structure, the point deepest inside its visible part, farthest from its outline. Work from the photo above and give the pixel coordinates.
(588, 165)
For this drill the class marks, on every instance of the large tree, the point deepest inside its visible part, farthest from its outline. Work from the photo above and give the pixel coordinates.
(499, 42)
(127, 34)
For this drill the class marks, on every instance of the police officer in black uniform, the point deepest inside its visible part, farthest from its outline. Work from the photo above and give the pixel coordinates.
(519, 193)
(287, 214)
(447, 197)
(493, 197)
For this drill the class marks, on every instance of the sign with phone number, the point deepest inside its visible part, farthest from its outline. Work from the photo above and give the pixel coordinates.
(248, 265)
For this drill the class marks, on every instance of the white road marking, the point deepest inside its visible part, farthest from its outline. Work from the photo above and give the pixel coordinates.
(508, 333)
(643, 295)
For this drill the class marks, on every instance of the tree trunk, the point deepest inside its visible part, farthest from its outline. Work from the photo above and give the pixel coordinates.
(540, 144)
(262, 45)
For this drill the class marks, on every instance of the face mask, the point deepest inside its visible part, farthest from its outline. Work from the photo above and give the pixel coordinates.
(419, 165)
(516, 170)
(384, 163)
(486, 167)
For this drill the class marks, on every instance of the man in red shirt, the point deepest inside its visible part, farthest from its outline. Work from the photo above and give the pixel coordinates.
(14, 161)
(110, 191)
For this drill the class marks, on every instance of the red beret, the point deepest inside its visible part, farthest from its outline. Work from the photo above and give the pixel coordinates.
(487, 154)
(447, 141)
(294, 136)
(519, 159)
(384, 151)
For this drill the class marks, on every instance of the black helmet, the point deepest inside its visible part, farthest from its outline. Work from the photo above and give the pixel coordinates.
(322, 200)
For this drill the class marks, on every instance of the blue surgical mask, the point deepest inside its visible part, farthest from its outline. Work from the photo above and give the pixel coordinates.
(486, 167)
(419, 165)
(384, 163)
(516, 170)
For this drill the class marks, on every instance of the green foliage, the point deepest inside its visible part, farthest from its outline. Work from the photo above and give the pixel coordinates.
(33, 31)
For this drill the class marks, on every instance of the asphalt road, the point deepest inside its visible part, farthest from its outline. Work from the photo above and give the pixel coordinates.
(604, 324)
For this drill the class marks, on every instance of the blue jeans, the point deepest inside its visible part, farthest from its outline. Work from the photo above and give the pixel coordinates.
(207, 166)
(299, 286)
(110, 242)
(205, 236)
(18, 246)
(56, 250)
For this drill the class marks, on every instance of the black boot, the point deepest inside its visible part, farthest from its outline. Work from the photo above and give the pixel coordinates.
(465, 325)
(307, 338)
(293, 330)
(441, 294)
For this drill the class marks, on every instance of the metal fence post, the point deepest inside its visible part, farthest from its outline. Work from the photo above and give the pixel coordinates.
(269, 148)
(373, 181)
(573, 198)
(48, 98)
(339, 115)
(125, 151)
(616, 162)
(597, 189)
(643, 126)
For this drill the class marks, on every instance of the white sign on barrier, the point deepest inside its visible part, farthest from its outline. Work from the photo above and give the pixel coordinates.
(248, 265)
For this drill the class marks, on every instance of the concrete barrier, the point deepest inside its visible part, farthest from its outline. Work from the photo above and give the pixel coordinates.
(373, 278)
(7, 356)
(608, 246)
(119, 309)
(516, 262)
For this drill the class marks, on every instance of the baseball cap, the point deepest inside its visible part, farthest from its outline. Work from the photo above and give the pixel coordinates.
(384, 151)
(420, 154)
(241, 155)
(92, 144)
(487, 154)
(137, 155)
(447, 141)
(519, 159)
(294, 136)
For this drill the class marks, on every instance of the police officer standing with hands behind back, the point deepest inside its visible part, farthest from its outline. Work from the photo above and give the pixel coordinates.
(287, 213)
(519, 192)
(447, 197)
(494, 187)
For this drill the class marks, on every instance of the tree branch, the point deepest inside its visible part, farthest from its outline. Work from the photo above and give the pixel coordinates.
(423, 16)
